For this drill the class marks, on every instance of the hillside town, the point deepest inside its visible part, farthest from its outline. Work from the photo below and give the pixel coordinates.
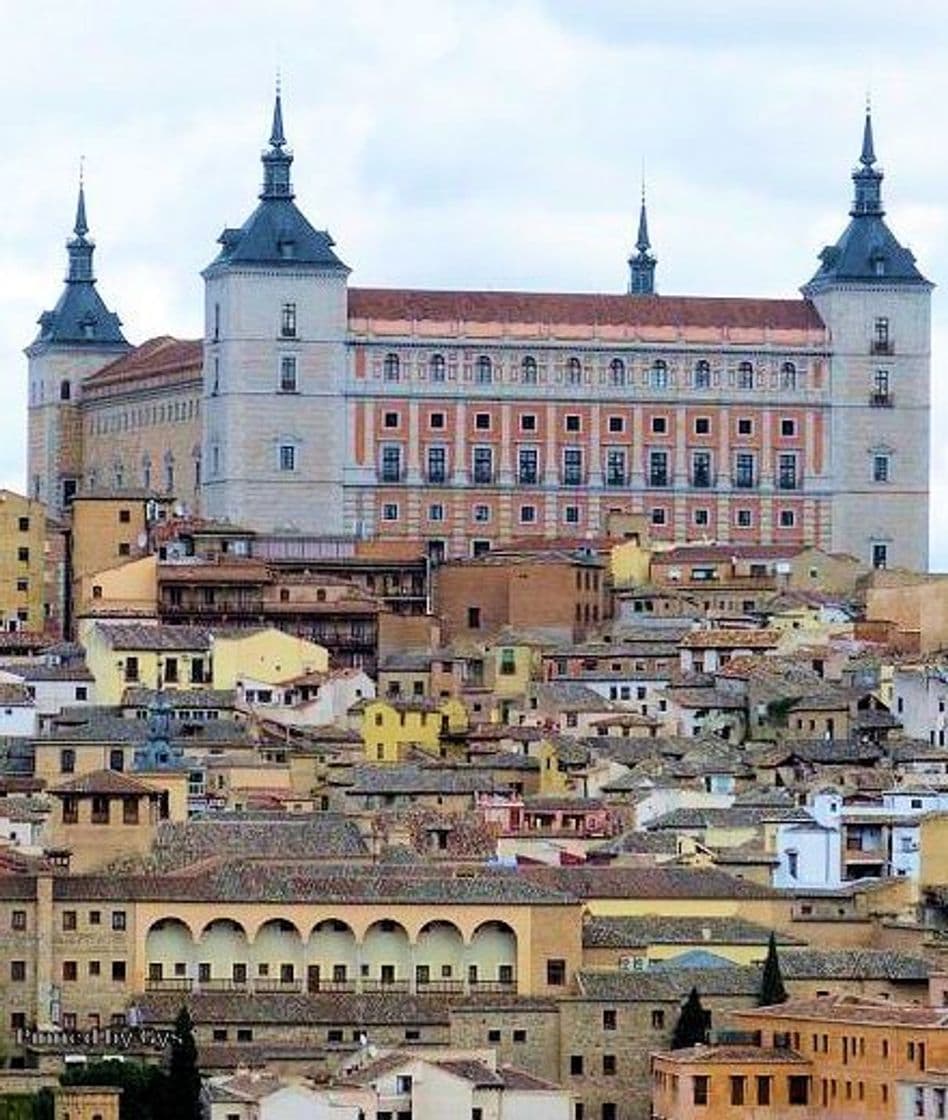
(397, 834)
(495, 705)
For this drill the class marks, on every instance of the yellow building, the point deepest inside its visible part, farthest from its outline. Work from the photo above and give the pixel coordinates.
(22, 556)
(390, 727)
(122, 656)
(110, 528)
(128, 589)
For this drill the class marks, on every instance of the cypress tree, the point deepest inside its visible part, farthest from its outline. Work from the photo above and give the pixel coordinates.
(183, 1093)
(771, 985)
(692, 1024)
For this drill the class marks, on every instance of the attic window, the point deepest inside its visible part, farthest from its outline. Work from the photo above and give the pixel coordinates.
(287, 248)
(88, 328)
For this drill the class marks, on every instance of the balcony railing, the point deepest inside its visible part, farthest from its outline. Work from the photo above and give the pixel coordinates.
(659, 479)
(882, 346)
(881, 400)
(169, 984)
(266, 986)
(745, 482)
(492, 986)
(703, 480)
(289, 987)
(375, 986)
(787, 480)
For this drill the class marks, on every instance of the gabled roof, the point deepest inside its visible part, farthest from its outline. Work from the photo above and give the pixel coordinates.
(106, 782)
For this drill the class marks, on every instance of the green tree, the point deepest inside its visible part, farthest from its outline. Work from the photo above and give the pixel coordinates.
(183, 1091)
(692, 1025)
(771, 984)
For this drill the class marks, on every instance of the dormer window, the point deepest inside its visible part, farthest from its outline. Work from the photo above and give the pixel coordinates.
(287, 248)
(87, 326)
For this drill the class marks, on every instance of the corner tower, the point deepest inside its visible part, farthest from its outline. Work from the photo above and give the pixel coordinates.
(276, 317)
(79, 336)
(877, 306)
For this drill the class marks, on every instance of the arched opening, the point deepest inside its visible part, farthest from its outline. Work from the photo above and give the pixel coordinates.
(332, 958)
(386, 958)
(492, 958)
(169, 956)
(222, 956)
(439, 958)
(277, 957)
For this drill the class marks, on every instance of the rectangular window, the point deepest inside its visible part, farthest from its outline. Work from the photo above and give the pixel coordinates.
(609, 1022)
(701, 470)
(473, 618)
(287, 457)
(615, 467)
(609, 1065)
(482, 421)
(572, 423)
(787, 472)
(880, 468)
(288, 383)
(390, 420)
(880, 555)
(787, 518)
(528, 466)
(763, 1091)
(737, 1090)
(288, 320)
(436, 512)
(616, 424)
(483, 465)
(482, 513)
(798, 1090)
(788, 428)
(70, 971)
(572, 467)
(658, 468)
(699, 1090)
(556, 972)
(391, 464)
(67, 757)
(528, 515)
(436, 420)
(571, 515)
(17, 971)
(23, 555)
(390, 511)
(657, 516)
(743, 519)
(18, 920)
(881, 342)
(576, 1065)
(659, 425)
(744, 470)
(658, 1019)
(437, 465)
(528, 422)
(118, 972)
(69, 919)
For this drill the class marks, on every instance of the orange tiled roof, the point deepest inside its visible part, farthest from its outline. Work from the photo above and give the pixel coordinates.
(162, 355)
(592, 308)
(731, 639)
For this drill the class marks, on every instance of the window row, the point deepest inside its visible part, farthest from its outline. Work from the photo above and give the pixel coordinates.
(657, 375)
(286, 327)
(148, 415)
(616, 465)
(787, 427)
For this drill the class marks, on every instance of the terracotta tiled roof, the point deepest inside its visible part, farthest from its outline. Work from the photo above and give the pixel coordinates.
(156, 357)
(582, 308)
(731, 639)
(720, 553)
(734, 1055)
(105, 782)
(852, 1009)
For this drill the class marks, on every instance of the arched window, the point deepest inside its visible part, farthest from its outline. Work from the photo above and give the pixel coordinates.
(788, 376)
(745, 376)
(484, 371)
(617, 371)
(391, 367)
(146, 472)
(169, 472)
(436, 367)
(528, 370)
(702, 375)
(65, 390)
(658, 375)
(574, 372)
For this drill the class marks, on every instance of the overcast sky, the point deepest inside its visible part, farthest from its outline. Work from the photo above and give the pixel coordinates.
(465, 143)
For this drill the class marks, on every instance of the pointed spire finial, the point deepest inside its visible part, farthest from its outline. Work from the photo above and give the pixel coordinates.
(642, 242)
(867, 156)
(277, 139)
(81, 227)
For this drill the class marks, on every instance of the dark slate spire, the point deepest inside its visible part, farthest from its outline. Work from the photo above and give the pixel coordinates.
(276, 233)
(642, 263)
(276, 161)
(867, 179)
(80, 316)
(867, 249)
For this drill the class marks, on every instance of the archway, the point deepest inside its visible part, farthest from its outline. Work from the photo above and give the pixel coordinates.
(332, 957)
(439, 958)
(386, 957)
(222, 955)
(277, 955)
(492, 957)
(169, 955)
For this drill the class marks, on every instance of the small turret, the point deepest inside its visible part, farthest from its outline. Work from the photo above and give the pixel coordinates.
(642, 263)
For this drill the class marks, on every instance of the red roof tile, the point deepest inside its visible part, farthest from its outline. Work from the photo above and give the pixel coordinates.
(157, 356)
(555, 307)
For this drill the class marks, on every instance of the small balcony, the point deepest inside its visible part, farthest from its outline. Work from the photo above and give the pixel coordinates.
(271, 986)
(745, 482)
(169, 984)
(374, 987)
(659, 480)
(882, 346)
(788, 480)
(881, 400)
(439, 987)
(493, 987)
(703, 480)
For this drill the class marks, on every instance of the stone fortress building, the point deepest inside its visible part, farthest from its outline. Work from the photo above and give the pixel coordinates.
(465, 419)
